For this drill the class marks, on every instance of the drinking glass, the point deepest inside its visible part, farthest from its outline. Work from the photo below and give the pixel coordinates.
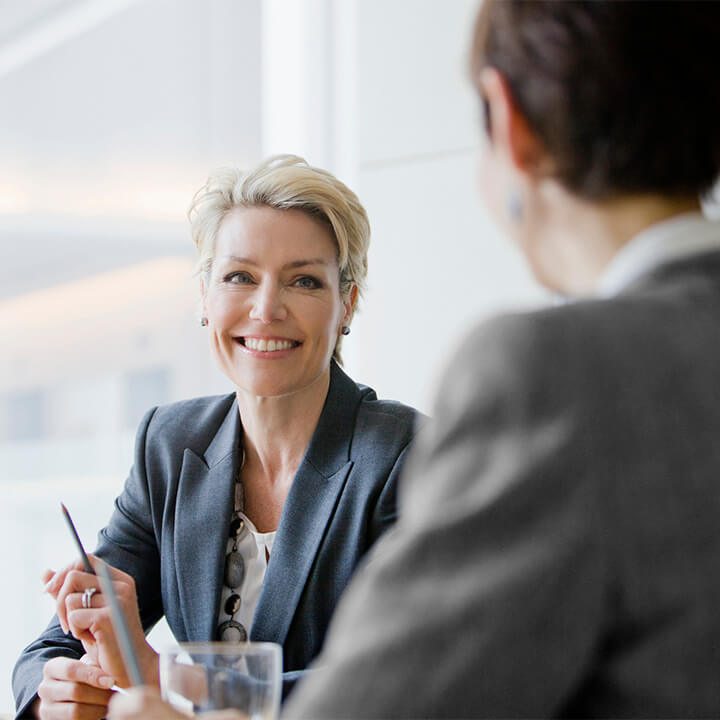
(197, 677)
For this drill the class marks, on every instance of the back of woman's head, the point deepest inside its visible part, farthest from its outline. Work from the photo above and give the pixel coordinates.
(624, 96)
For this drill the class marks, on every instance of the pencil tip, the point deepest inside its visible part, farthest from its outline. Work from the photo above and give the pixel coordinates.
(64, 509)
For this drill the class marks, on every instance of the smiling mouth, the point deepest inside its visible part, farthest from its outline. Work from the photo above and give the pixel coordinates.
(263, 345)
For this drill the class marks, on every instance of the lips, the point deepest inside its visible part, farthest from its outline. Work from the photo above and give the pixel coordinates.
(267, 344)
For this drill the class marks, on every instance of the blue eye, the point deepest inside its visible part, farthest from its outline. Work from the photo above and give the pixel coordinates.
(307, 283)
(237, 278)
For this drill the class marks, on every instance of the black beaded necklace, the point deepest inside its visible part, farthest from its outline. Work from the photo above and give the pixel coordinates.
(231, 630)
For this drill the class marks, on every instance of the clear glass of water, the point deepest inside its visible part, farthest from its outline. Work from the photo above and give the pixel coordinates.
(197, 677)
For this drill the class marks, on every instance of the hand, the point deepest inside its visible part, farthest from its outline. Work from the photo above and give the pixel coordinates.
(73, 689)
(93, 626)
(141, 703)
(145, 704)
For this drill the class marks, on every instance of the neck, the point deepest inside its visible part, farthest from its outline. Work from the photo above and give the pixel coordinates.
(277, 430)
(578, 239)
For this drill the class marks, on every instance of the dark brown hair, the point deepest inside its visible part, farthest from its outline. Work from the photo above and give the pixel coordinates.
(625, 96)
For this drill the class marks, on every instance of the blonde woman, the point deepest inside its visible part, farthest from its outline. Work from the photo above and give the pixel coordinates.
(244, 515)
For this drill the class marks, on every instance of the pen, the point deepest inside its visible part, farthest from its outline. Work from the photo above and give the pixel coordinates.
(120, 626)
(83, 554)
(118, 619)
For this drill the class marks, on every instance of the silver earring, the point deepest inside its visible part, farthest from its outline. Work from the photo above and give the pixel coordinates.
(203, 321)
(515, 205)
(345, 330)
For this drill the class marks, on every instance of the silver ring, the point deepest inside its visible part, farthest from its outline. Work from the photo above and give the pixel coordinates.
(87, 597)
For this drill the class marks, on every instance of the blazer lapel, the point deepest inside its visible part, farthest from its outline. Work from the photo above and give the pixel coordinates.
(202, 521)
(308, 510)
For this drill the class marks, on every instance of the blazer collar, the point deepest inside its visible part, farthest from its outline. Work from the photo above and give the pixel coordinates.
(329, 446)
(202, 522)
(204, 510)
(227, 438)
(308, 510)
(703, 267)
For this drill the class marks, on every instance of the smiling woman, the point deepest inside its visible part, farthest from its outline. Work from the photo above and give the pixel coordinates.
(272, 301)
(244, 515)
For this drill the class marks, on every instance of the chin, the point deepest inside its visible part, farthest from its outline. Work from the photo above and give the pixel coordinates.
(276, 380)
(266, 387)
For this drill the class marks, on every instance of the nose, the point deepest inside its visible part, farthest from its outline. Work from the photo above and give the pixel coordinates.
(267, 304)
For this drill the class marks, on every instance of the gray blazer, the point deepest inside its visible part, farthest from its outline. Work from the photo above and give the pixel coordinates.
(170, 525)
(557, 551)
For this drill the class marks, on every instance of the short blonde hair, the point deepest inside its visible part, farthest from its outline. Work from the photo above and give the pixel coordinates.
(286, 182)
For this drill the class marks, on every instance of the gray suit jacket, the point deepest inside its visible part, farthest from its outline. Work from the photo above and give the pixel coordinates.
(557, 551)
(170, 525)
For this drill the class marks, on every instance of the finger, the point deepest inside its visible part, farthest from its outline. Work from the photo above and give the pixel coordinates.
(54, 583)
(64, 668)
(47, 576)
(89, 624)
(74, 601)
(55, 691)
(124, 592)
(76, 581)
(116, 575)
(71, 711)
(141, 703)
(79, 618)
(190, 681)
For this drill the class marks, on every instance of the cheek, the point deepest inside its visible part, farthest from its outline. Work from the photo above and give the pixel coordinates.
(488, 184)
(325, 321)
(222, 307)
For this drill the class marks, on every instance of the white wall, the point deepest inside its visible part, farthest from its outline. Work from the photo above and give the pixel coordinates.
(405, 128)
(437, 263)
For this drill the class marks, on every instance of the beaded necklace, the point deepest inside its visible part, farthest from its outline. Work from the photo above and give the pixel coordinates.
(231, 630)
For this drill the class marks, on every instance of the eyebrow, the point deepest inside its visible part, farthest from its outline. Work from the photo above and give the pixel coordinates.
(288, 266)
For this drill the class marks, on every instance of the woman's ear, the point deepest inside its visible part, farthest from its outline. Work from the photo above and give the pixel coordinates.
(510, 132)
(203, 296)
(349, 303)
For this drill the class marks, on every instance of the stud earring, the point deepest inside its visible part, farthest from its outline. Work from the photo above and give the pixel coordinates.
(515, 205)
(203, 321)
(345, 330)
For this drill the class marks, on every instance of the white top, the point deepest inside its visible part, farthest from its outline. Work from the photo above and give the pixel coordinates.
(255, 548)
(681, 237)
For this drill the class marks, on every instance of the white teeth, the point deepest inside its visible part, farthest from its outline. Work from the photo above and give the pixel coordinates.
(267, 345)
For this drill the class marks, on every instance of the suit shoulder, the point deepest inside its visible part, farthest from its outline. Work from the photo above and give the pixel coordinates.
(193, 418)
(380, 420)
(549, 337)
(510, 342)
(592, 347)
(530, 355)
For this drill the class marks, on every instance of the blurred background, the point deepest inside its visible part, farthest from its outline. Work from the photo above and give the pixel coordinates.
(112, 112)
